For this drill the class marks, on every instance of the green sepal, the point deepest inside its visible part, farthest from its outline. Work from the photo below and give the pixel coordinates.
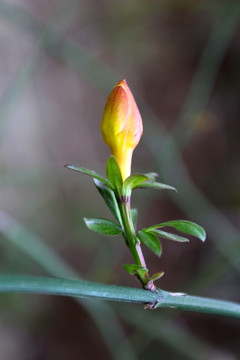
(114, 175)
(88, 172)
(132, 182)
(154, 185)
(110, 199)
(134, 216)
(184, 226)
(167, 235)
(150, 240)
(103, 226)
(134, 269)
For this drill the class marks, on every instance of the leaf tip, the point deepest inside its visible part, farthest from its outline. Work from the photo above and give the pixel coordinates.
(204, 236)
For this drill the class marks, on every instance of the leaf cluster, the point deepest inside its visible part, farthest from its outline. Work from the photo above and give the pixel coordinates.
(114, 191)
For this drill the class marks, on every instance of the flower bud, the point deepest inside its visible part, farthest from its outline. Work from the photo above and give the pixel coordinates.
(122, 126)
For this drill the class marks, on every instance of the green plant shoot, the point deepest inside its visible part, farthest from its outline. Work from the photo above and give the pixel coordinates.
(122, 129)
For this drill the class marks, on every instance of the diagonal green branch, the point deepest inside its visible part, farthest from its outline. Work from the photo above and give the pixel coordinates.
(87, 289)
(34, 247)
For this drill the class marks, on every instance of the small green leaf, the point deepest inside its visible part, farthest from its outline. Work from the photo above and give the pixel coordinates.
(114, 175)
(141, 272)
(157, 276)
(186, 227)
(151, 241)
(166, 235)
(151, 176)
(110, 199)
(155, 185)
(132, 182)
(102, 226)
(88, 172)
(132, 269)
(134, 216)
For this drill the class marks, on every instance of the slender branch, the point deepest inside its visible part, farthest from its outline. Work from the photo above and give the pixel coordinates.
(87, 289)
(134, 245)
(112, 332)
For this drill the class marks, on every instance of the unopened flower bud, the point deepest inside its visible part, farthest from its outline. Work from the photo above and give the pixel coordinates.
(122, 126)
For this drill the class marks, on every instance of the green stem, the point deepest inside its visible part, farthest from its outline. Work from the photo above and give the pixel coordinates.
(133, 243)
(87, 289)
(129, 232)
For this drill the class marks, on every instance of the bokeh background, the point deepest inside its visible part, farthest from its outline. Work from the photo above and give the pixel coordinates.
(58, 62)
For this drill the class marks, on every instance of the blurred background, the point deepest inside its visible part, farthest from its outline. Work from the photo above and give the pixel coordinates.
(58, 62)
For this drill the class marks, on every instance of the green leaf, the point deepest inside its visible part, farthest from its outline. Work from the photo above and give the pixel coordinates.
(132, 182)
(132, 269)
(88, 172)
(102, 226)
(186, 227)
(151, 176)
(110, 199)
(141, 272)
(134, 216)
(166, 235)
(151, 241)
(114, 175)
(155, 185)
(157, 276)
